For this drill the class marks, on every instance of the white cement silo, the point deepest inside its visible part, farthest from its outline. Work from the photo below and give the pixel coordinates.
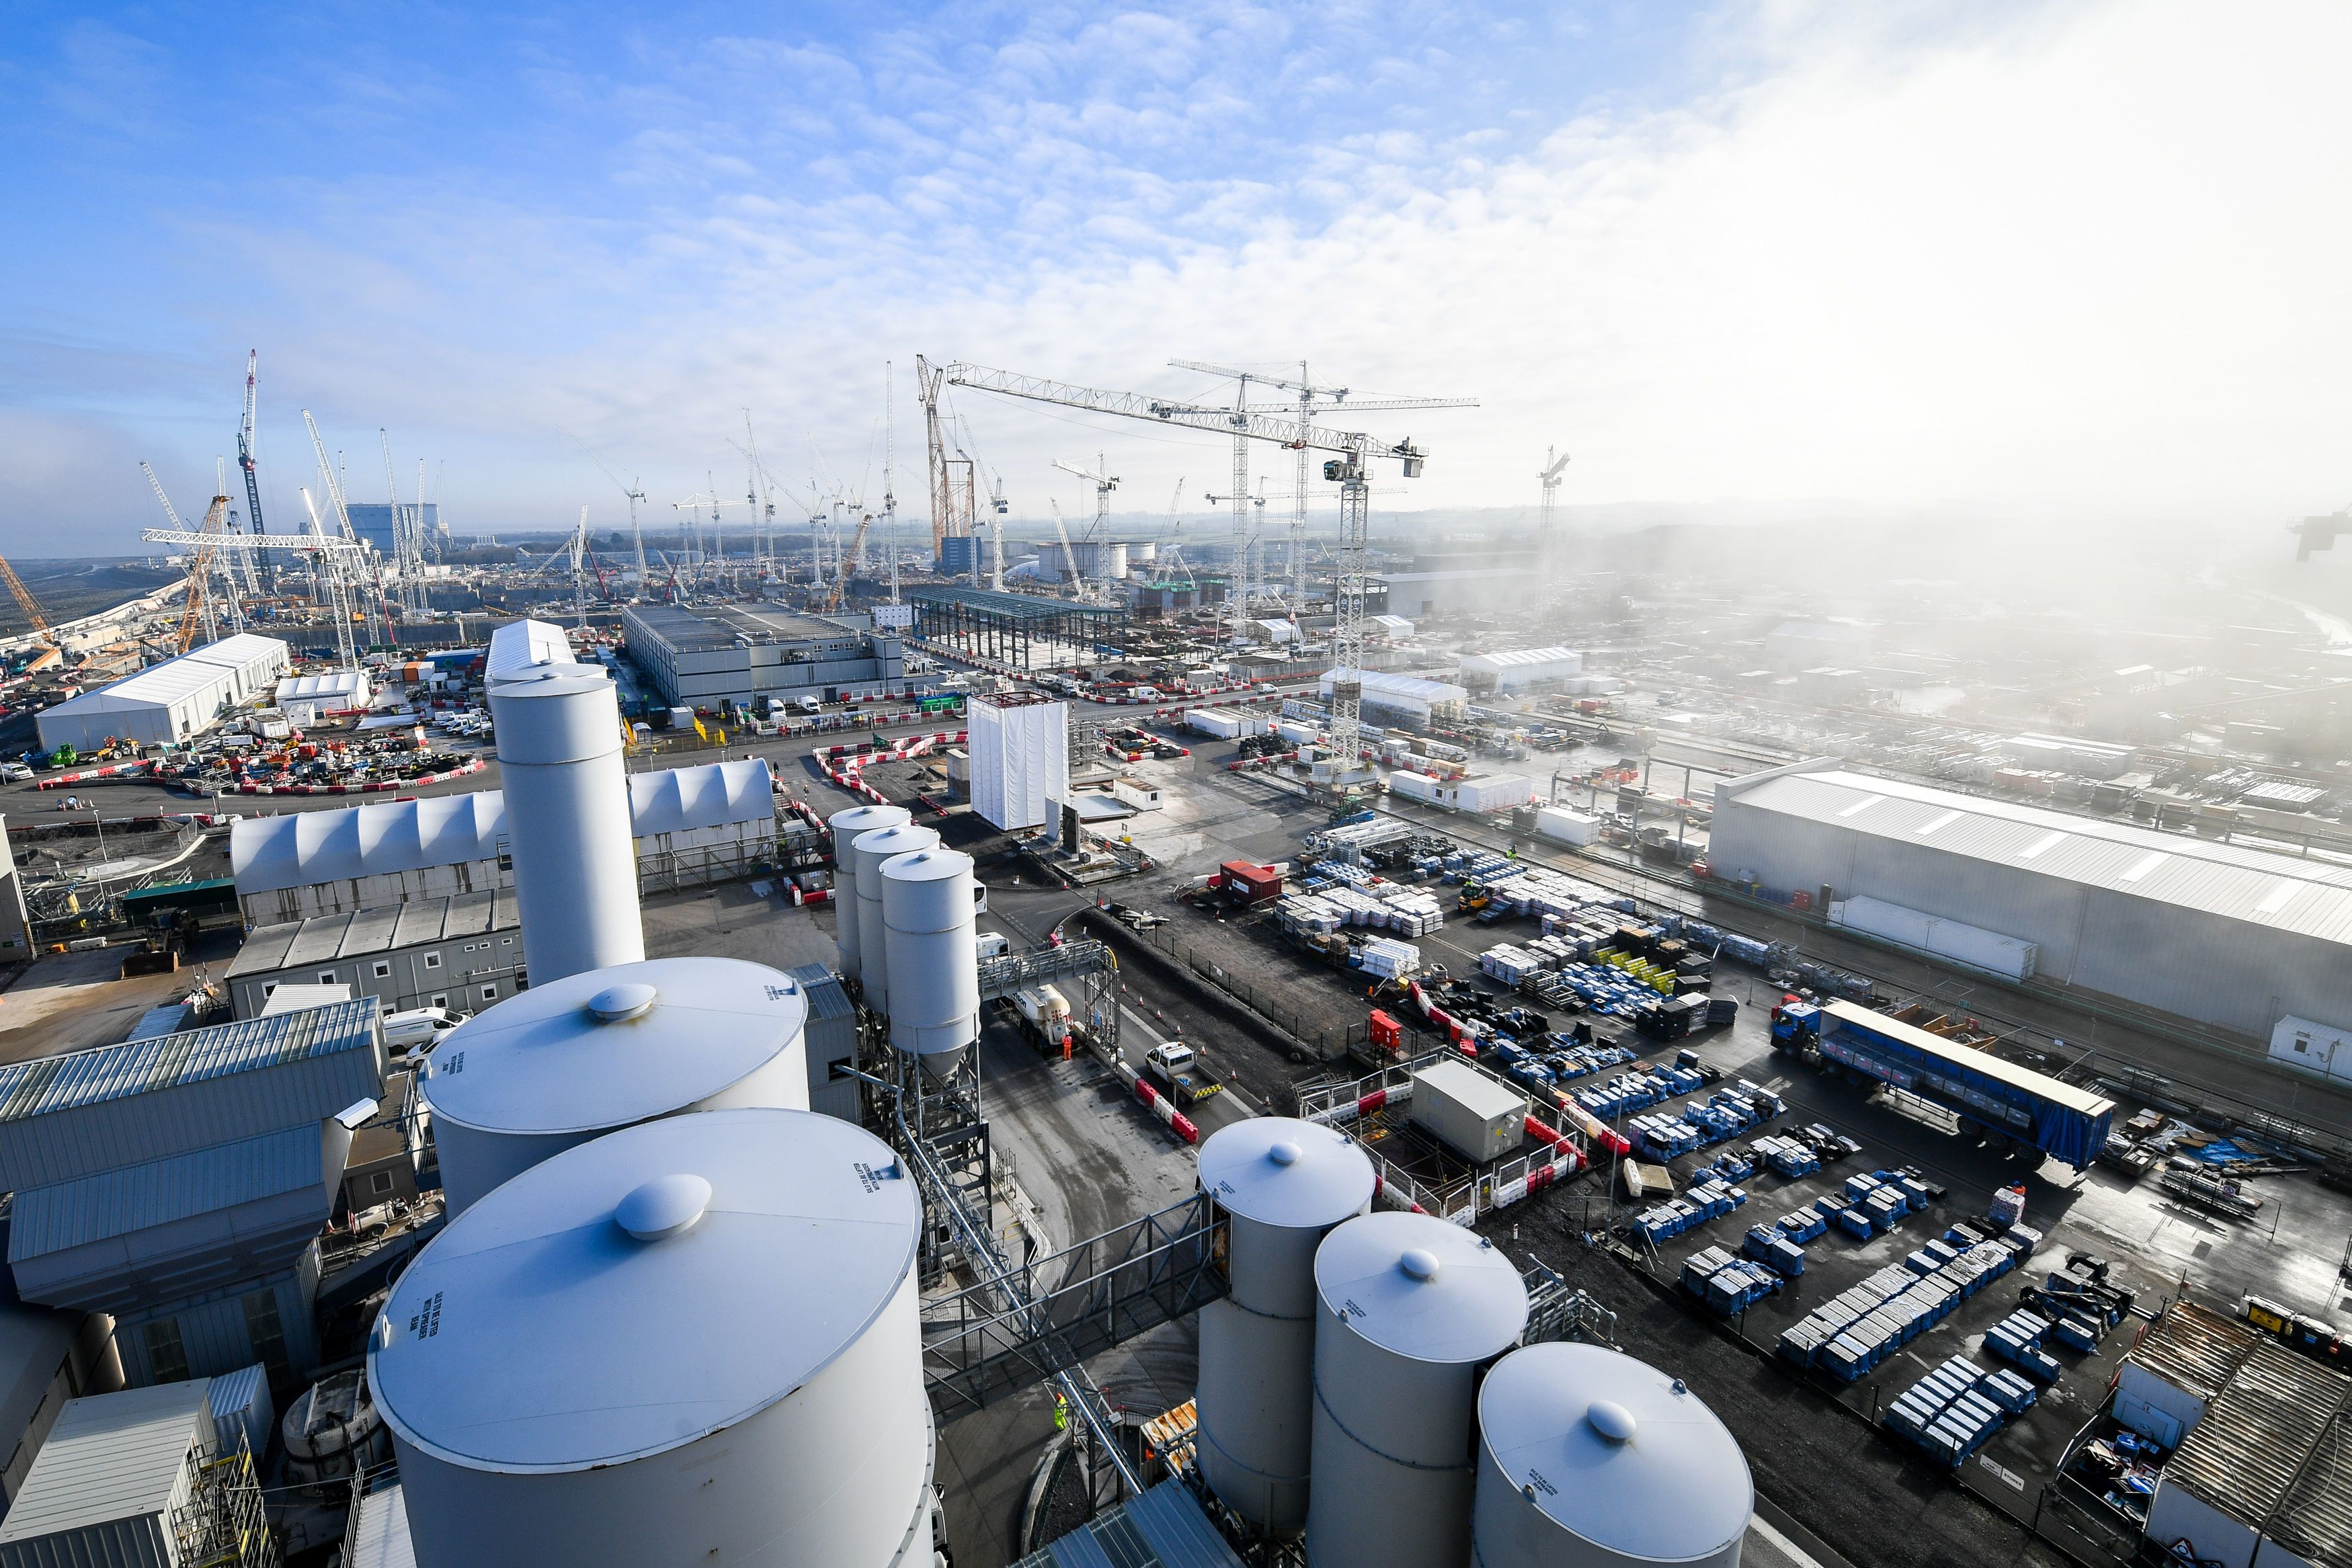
(1282, 1186)
(845, 826)
(870, 848)
(1408, 1309)
(693, 1341)
(1588, 1458)
(567, 820)
(560, 1064)
(934, 983)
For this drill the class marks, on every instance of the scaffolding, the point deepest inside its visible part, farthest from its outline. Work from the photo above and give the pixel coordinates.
(221, 1524)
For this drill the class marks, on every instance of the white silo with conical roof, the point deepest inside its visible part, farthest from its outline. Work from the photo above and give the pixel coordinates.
(692, 1341)
(1588, 1459)
(1281, 1184)
(934, 981)
(870, 850)
(1409, 1310)
(559, 1065)
(845, 827)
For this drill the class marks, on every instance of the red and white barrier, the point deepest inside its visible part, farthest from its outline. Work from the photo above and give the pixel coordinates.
(1159, 1104)
(109, 770)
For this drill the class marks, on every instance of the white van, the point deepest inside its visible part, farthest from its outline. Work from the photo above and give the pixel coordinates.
(419, 1030)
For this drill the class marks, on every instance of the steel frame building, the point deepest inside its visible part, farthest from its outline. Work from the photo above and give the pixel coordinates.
(1009, 628)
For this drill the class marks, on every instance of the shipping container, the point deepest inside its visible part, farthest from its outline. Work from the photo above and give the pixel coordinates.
(1566, 827)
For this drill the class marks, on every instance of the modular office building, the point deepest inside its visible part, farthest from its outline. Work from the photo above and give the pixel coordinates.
(2233, 938)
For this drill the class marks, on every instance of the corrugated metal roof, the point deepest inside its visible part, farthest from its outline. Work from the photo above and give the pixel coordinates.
(2316, 1520)
(298, 849)
(135, 1198)
(110, 1456)
(2246, 1454)
(827, 998)
(1413, 687)
(385, 928)
(2311, 898)
(379, 1532)
(80, 1077)
(1164, 1528)
(2194, 1349)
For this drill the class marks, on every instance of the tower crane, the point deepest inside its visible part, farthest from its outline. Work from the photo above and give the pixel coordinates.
(952, 507)
(1350, 467)
(1103, 483)
(334, 574)
(889, 476)
(248, 439)
(1555, 463)
(1311, 398)
(997, 509)
(635, 495)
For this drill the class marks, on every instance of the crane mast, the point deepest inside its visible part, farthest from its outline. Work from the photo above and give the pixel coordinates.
(1555, 461)
(248, 439)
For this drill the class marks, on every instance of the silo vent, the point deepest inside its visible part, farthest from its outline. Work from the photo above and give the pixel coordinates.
(615, 1004)
(1419, 1263)
(663, 1206)
(1283, 1154)
(1612, 1420)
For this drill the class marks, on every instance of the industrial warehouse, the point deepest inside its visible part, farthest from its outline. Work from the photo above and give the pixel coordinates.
(701, 657)
(2254, 941)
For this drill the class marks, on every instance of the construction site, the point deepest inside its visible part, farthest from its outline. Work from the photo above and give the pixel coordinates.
(1328, 1045)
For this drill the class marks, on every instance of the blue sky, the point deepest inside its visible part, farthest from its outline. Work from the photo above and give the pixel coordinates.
(1917, 255)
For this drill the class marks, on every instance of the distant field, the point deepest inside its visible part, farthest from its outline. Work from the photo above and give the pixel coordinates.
(70, 588)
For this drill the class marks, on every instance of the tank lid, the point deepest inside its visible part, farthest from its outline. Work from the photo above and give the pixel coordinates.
(1419, 1287)
(1278, 1171)
(537, 1334)
(895, 839)
(929, 863)
(551, 680)
(611, 1045)
(1672, 1486)
(865, 819)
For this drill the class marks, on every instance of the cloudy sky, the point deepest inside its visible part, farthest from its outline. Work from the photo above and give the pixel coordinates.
(2001, 259)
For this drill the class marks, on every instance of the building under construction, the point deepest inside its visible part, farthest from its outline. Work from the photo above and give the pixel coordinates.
(1018, 629)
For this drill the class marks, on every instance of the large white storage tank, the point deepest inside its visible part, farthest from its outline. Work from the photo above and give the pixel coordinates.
(568, 824)
(693, 1341)
(1588, 1458)
(1282, 1185)
(870, 850)
(1408, 1310)
(559, 1065)
(928, 905)
(845, 826)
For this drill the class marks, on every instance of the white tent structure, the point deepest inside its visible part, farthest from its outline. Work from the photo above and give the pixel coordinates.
(691, 824)
(170, 701)
(1020, 758)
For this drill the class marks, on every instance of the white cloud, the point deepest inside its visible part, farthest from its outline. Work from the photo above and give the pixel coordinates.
(2070, 258)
